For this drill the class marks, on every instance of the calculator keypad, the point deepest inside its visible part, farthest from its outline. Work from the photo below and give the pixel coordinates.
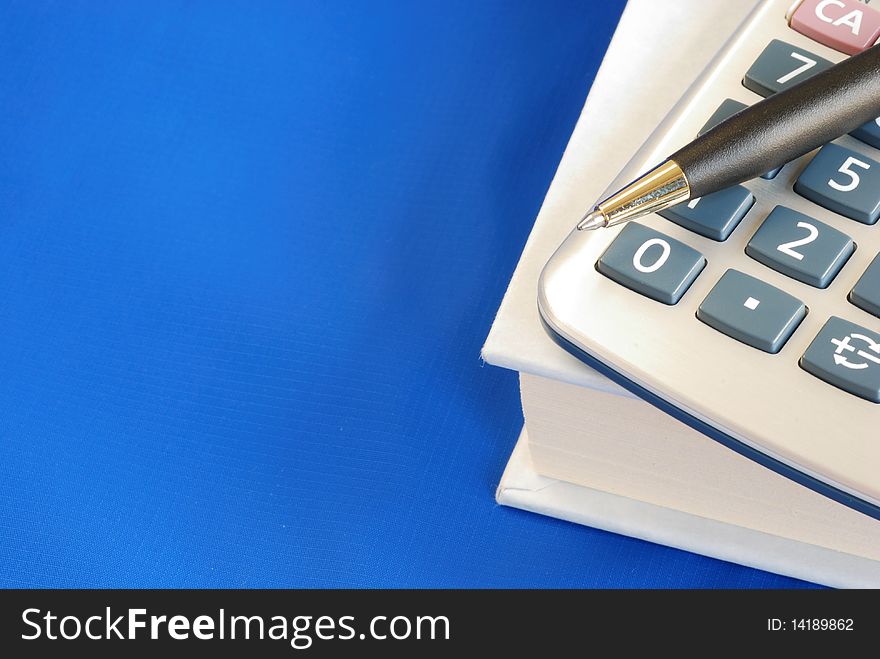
(651, 263)
(800, 246)
(847, 356)
(795, 244)
(781, 66)
(751, 311)
(866, 293)
(714, 216)
(843, 181)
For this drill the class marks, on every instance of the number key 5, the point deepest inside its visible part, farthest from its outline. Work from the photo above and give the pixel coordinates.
(843, 181)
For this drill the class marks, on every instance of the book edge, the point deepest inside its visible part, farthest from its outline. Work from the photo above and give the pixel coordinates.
(522, 487)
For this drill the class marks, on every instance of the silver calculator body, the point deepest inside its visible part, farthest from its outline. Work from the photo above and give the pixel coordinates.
(762, 404)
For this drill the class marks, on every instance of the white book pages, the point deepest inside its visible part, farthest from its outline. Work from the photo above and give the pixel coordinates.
(522, 487)
(622, 446)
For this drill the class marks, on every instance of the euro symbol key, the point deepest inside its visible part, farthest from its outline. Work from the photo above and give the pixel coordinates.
(843, 345)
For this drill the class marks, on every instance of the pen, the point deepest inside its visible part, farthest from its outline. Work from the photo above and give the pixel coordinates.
(759, 138)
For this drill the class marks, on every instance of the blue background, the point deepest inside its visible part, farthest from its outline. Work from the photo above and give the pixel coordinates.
(248, 254)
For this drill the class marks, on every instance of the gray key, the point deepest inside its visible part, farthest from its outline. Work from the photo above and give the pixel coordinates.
(750, 311)
(781, 66)
(800, 247)
(727, 109)
(848, 356)
(843, 181)
(769, 176)
(866, 293)
(715, 215)
(869, 133)
(651, 263)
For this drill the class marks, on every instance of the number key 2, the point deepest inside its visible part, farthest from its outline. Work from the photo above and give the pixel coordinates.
(843, 181)
(800, 247)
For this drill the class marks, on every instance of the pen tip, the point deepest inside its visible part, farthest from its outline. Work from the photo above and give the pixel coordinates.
(592, 220)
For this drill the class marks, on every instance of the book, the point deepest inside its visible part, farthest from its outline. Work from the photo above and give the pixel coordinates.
(593, 453)
(523, 487)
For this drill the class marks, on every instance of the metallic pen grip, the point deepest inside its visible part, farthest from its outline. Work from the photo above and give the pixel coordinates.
(662, 187)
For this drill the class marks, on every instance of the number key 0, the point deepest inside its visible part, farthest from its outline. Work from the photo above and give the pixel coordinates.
(651, 263)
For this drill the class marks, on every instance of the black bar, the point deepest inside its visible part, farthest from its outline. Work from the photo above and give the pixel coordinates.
(426, 623)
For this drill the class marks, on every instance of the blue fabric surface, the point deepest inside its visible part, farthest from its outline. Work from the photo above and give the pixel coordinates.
(249, 253)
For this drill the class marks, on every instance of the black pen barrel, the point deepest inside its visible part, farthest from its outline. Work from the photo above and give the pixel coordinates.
(784, 126)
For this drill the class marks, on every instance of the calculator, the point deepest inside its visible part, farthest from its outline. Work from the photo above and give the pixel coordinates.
(751, 314)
